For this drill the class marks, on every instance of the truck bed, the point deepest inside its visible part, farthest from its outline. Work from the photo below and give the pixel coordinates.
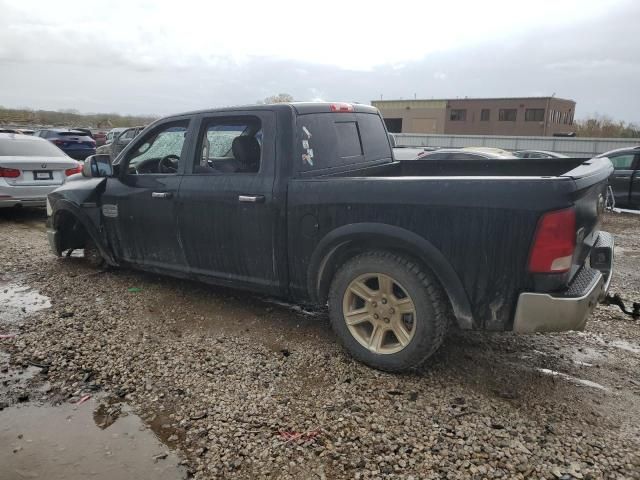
(574, 167)
(481, 215)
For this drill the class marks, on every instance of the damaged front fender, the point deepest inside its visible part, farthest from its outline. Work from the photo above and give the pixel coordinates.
(76, 217)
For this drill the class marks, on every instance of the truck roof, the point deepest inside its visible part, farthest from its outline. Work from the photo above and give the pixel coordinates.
(300, 108)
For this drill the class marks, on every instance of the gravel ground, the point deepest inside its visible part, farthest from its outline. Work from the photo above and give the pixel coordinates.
(241, 387)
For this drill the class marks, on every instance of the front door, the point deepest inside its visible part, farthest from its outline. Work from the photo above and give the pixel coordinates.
(229, 218)
(621, 179)
(139, 207)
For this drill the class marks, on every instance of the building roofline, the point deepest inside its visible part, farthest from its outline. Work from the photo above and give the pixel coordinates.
(470, 98)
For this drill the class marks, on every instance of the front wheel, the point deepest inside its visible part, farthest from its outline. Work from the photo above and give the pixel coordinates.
(92, 255)
(387, 311)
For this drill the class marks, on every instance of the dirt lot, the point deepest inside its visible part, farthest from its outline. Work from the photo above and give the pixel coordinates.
(237, 386)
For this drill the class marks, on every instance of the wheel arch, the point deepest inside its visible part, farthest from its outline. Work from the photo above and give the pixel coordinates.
(349, 240)
(66, 216)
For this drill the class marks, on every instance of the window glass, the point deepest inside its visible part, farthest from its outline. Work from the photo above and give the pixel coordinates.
(159, 151)
(436, 156)
(485, 115)
(10, 147)
(622, 162)
(507, 114)
(334, 140)
(466, 156)
(534, 115)
(128, 135)
(374, 138)
(348, 139)
(458, 115)
(230, 146)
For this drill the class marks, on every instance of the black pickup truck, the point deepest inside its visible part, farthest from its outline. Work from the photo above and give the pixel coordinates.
(625, 180)
(304, 201)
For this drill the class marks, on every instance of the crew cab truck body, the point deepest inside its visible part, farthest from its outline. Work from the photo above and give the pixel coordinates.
(625, 180)
(305, 201)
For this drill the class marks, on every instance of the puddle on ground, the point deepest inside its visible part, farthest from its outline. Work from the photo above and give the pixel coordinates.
(64, 442)
(17, 300)
(625, 252)
(10, 375)
(624, 345)
(577, 381)
(626, 210)
(618, 344)
(588, 357)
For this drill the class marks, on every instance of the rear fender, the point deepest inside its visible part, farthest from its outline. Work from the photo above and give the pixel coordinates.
(364, 236)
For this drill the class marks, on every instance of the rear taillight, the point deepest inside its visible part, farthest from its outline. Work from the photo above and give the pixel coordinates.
(341, 107)
(73, 171)
(554, 243)
(9, 172)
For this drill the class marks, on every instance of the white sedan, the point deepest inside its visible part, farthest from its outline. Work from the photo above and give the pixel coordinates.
(30, 168)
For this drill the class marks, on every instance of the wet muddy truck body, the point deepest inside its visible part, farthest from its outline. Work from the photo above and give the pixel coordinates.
(305, 202)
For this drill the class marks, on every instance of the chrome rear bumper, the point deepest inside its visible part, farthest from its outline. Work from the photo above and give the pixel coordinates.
(569, 310)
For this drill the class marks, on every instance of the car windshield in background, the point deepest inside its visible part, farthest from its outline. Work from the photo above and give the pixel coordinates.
(28, 148)
(73, 134)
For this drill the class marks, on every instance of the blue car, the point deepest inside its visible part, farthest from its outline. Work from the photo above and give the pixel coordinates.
(75, 143)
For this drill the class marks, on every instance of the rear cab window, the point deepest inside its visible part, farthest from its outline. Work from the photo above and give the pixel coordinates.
(332, 141)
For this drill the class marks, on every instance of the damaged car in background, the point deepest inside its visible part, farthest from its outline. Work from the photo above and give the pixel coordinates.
(305, 201)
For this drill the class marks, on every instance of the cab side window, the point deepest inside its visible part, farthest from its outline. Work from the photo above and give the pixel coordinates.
(622, 162)
(160, 151)
(229, 146)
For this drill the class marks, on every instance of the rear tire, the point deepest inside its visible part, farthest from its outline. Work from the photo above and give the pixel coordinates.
(388, 312)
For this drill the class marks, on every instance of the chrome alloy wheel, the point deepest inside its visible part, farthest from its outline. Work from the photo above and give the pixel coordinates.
(379, 313)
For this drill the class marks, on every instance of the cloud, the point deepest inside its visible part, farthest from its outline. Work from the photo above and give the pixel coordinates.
(152, 58)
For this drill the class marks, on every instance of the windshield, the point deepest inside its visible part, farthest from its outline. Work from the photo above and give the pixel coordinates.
(28, 148)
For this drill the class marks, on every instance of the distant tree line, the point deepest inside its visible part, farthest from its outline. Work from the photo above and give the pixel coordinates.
(604, 126)
(279, 98)
(69, 118)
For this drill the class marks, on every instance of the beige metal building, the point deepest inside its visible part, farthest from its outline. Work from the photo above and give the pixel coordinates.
(536, 116)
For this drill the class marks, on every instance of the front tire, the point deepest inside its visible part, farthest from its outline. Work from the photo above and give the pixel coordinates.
(92, 255)
(387, 311)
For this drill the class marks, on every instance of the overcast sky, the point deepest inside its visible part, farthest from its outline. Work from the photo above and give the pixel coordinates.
(161, 57)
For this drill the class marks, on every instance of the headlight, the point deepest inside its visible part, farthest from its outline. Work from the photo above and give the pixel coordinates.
(49, 209)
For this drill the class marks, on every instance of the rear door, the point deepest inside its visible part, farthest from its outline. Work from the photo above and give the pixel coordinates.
(634, 194)
(228, 217)
(623, 164)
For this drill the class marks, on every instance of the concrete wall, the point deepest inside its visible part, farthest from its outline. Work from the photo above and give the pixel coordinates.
(574, 147)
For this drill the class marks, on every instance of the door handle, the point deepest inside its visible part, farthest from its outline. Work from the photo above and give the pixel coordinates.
(622, 176)
(161, 195)
(251, 198)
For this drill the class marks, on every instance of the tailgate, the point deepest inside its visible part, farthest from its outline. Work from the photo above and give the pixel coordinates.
(589, 199)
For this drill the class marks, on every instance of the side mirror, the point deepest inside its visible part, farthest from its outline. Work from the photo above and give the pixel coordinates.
(392, 140)
(97, 166)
